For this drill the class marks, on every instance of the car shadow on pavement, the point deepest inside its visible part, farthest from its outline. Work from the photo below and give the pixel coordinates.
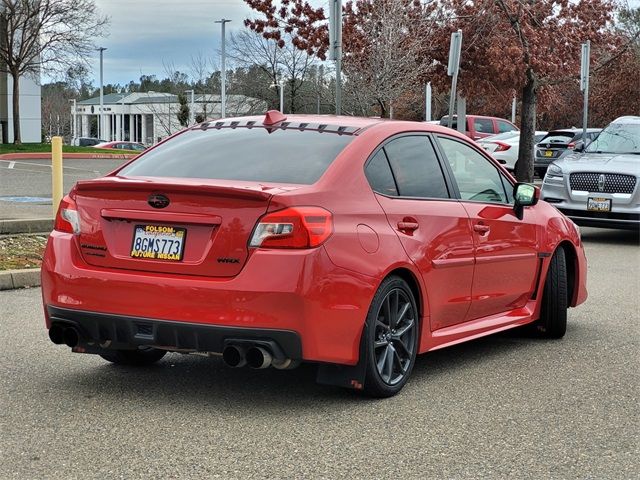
(610, 236)
(200, 382)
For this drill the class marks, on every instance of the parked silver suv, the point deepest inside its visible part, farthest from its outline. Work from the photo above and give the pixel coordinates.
(600, 186)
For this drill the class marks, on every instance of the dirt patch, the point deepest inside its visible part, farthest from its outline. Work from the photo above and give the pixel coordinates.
(21, 251)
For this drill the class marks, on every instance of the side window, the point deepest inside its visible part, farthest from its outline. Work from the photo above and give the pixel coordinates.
(483, 125)
(477, 179)
(504, 127)
(379, 175)
(416, 168)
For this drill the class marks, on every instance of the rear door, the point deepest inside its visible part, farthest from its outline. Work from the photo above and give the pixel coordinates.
(506, 248)
(434, 228)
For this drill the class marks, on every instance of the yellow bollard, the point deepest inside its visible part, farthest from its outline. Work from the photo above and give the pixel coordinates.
(56, 173)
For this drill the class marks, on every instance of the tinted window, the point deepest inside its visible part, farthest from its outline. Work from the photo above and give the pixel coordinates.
(561, 138)
(477, 178)
(379, 175)
(256, 154)
(483, 125)
(416, 168)
(444, 121)
(505, 127)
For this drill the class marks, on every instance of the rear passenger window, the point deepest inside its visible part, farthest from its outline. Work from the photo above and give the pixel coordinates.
(505, 127)
(416, 168)
(379, 175)
(483, 125)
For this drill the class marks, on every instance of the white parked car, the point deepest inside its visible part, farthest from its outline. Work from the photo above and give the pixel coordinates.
(504, 147)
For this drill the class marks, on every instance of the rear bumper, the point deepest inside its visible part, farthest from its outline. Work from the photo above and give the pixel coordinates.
(124, 332)
(298, 291)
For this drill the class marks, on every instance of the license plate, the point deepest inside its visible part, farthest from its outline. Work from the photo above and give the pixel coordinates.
(548, 153)
(158, 242)
(596, 204)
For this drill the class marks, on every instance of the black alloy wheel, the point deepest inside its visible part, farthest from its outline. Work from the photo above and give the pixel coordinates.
(392, 335)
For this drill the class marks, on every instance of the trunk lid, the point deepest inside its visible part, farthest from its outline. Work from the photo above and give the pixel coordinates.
(215, 218)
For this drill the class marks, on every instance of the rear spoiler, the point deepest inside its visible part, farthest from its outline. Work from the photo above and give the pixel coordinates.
(181, 185)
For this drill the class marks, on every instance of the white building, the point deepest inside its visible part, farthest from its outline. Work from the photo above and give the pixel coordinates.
(30, 112)
(150, 117)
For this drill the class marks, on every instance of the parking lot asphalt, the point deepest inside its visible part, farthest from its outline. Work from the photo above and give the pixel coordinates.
(30, 180)
(505, 406)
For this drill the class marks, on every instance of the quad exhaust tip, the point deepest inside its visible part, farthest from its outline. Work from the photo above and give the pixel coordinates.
(234, 356)
(258, 357)
(70, 337)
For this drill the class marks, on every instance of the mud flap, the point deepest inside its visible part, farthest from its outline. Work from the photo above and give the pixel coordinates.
(346, 376)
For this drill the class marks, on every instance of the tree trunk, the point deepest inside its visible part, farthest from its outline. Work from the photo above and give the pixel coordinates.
(524, 165)
(17, 138)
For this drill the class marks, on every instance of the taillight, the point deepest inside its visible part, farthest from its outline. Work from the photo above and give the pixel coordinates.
(294, 227)
(67, 219)
(571, 146)
(502, 146)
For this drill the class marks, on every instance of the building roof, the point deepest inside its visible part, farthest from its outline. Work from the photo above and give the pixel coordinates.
(156, 97)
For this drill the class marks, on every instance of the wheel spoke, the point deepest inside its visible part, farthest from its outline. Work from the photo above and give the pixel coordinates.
(396, 357)
(405, 328)
(380, 363)
(380, 343)
(388, 364)
(403, 312)
(387, 311)
(393, 300)
(398, 342)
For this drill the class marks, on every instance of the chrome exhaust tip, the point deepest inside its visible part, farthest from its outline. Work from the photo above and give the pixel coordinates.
(234, 356)
(56, 334)
(70, 337)
(258, 357)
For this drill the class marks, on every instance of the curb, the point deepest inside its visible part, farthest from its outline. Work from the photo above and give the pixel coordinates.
(67, 156)
(29, 225)
(12, 279)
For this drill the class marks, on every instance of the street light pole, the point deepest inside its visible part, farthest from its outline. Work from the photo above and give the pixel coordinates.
(223, 79)
(74, 128)
(100, 126)
(191, 107)
(280, 85)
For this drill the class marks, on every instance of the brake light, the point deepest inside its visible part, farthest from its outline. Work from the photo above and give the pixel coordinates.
(571, 146)
(294, 227)
(67, 219)
(502, 146)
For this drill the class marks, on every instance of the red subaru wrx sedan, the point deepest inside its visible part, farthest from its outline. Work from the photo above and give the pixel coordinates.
(350, 242)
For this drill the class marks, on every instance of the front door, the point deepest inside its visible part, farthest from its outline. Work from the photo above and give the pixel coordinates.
(506, 261)
(433, 228)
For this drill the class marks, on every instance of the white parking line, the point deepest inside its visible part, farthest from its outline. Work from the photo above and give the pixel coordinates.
(11, 165)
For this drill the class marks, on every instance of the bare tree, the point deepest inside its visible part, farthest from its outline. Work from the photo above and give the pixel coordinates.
(45, 35)
(281, 63)
(386, 57)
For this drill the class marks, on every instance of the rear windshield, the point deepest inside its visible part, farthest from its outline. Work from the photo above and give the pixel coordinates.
(558, 137)
(256, 154)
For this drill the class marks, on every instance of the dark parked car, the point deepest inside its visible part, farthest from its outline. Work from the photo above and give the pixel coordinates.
(556, 143)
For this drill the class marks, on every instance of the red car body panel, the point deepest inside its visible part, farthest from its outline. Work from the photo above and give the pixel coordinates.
(469, 282)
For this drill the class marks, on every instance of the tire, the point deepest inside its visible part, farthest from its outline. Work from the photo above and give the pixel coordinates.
(136, 358)
(391, 338)
(553, 317)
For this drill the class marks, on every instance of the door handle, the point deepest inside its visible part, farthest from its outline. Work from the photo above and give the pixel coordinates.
(481, 229)
(408, 226)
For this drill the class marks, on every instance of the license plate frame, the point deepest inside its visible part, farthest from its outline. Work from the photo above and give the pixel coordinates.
(173, 251)
(598, 204)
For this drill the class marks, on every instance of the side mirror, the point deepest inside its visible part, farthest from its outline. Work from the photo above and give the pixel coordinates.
(580, 144)
(525, 195)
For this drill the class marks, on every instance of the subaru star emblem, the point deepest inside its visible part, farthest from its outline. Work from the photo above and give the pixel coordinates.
(157, 200)
(601, 182)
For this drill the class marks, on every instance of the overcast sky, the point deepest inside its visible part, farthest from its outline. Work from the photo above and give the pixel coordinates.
(144, 33)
